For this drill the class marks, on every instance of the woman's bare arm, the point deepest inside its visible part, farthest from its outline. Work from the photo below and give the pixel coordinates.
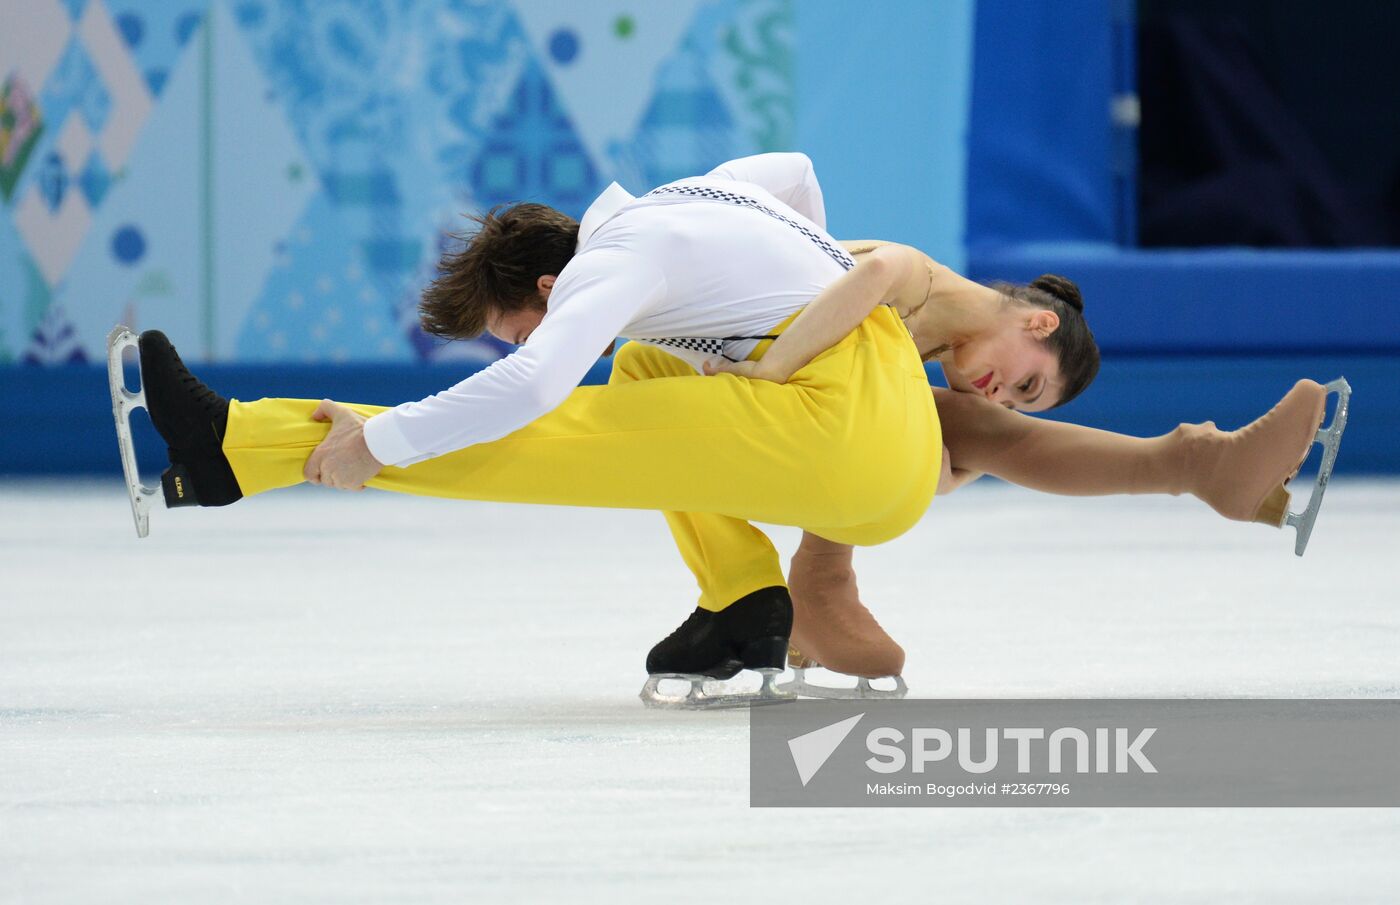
(888, 274)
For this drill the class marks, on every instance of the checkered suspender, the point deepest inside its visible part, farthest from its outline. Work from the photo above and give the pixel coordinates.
(715, 346)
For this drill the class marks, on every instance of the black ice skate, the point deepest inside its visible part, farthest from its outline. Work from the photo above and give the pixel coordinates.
(189, 416)
(751, 633)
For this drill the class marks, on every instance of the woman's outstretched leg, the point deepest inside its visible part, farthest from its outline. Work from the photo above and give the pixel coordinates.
(1238, 473)
(1241, 474)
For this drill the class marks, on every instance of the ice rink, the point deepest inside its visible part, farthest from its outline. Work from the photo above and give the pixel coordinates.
(327, 697)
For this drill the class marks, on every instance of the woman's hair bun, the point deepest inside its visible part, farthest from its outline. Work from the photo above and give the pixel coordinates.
(1064, 290)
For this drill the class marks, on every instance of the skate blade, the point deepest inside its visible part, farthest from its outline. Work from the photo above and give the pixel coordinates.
(124, 402)
(699, 697)
(863, 690)
(1331, 439)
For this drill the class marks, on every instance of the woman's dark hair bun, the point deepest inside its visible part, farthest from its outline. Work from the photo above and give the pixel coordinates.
(1064, 290)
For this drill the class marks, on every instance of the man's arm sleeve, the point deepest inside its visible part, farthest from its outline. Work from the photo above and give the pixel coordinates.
(596, 296)
(788, 176)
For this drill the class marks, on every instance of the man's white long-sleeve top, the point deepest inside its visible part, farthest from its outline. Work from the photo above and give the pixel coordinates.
(652, 268)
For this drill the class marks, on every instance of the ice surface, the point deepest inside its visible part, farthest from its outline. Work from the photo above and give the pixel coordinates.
(314, 696)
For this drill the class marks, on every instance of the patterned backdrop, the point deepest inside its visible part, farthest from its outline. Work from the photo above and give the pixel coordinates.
(272, 180)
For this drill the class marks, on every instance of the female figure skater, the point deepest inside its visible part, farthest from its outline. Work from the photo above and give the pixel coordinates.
(1241, 474)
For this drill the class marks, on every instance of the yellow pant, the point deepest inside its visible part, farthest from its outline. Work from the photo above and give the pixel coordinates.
(728, 556)
(849, 449)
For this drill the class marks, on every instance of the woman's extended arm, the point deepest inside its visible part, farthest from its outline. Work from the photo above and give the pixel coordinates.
(889, 274)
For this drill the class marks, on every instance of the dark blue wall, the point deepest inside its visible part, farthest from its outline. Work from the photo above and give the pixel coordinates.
(1040, 155)
(1187, 335)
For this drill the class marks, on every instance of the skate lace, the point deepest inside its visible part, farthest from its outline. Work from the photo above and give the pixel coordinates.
(684, 628)
(202, 393)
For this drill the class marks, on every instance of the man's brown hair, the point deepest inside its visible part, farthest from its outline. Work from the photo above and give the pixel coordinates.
(498, 268)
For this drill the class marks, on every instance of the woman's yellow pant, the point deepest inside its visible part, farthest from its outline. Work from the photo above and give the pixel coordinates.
(848, 449)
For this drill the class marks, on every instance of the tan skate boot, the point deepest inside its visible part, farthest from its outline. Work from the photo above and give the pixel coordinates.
(1243, 474)
(844, 637)
(831, 628)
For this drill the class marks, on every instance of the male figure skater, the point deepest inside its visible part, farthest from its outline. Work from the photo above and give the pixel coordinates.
(700, 268)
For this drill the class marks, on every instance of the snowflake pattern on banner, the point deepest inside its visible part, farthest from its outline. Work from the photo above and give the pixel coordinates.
(389, 99)
(156, 32)
(687, 130)
(533, 154)
(409, 116)
(73, 109)
(335, 312)
(754, 67)
(54, 342)
(726, 92)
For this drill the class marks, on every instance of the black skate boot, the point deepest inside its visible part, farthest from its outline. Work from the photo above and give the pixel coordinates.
(191, 418)
(751, 633)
